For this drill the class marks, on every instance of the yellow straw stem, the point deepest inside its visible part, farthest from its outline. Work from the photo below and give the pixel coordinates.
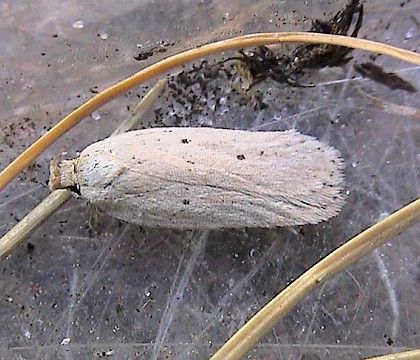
(265, 319)
(31, 221)
(55, 199)
(406, 355)
(39, 146)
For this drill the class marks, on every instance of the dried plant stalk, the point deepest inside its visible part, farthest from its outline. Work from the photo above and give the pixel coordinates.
(163, 66)
(247, 337)
(265, 319)
(57, 198)
(32, 220)
(405, 355)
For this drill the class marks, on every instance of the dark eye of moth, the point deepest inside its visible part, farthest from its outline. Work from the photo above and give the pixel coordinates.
(75, 189)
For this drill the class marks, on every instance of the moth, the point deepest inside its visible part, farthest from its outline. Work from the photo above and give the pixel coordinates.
(206, 178)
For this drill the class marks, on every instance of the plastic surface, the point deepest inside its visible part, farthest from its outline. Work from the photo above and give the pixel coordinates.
(138, 293)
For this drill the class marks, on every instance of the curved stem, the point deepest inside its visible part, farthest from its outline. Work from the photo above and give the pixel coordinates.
(55, 199)
(405, 355)
(39, 146)
(265, 319)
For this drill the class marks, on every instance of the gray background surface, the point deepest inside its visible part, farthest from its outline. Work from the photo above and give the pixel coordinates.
(136, 293)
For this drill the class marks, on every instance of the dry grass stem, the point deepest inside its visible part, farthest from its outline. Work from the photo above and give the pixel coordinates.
(55, 199)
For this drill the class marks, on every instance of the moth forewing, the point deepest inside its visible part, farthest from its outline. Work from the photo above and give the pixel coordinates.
(210, 178)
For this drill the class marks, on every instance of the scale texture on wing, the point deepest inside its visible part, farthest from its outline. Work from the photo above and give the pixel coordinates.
(212, 178)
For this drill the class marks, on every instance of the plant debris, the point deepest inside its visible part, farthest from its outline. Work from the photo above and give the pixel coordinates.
(262, 63)
(316, 56)
(199, 90)
(161, 47)
(389, 79)
(196, 92)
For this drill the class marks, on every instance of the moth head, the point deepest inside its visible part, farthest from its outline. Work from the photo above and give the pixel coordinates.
(63, 174)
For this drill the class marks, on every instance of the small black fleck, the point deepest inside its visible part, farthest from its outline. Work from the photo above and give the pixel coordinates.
(185, 141)
(143, 56)
(240, 157)
(261, 152)
(30, 247)
(186, 202)
(389, 341)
